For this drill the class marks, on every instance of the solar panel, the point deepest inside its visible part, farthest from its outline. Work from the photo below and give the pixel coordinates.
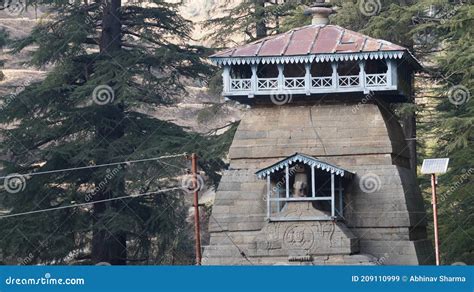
(437, 165)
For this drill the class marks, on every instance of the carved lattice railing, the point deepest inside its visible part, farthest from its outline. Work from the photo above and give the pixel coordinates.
(240, 84)
(321, 82)
(267, 83)
(348, 81)
(294, 83)
(299, 83)
(376, 79)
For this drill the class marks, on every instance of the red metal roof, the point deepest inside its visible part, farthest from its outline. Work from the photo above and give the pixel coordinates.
(311, 40)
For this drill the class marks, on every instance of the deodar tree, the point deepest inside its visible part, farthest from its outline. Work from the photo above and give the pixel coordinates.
(440, 34)
(248, 19)
(109, 60)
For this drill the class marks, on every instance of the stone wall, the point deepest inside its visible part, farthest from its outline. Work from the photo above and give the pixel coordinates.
(383, 209)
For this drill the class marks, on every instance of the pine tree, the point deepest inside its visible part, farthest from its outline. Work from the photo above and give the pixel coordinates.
(452, 29)
(3, 42)
(110, 60)
(250, 19)
(440, 33)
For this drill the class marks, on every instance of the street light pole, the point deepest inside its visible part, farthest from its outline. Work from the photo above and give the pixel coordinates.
(197, 231)
(435, 216)
(432, 167)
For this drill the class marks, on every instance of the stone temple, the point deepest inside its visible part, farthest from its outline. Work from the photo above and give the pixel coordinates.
(320, 169)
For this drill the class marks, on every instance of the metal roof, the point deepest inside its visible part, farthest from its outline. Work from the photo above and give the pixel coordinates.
(306, 159)
(313, 40)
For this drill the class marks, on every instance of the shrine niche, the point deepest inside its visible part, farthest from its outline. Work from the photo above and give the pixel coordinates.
(301, 187)
(295, 191)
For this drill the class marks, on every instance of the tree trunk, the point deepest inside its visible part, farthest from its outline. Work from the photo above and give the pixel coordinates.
(111, 36)
(109, 246)
(409, 128)
(261, 27)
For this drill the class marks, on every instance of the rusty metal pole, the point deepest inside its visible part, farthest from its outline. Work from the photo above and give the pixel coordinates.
(197, 231)
(435, 216)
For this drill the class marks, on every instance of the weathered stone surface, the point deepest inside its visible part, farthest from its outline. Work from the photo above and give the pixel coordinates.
(384, 220)
(305, 238)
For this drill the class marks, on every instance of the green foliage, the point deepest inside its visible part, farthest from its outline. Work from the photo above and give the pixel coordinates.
(3, 42)
(208, 113)
(440, 33)
(456, 129)
(254, 19)
(215, 85)
(295, 18)
(443, 38)
(84, 113)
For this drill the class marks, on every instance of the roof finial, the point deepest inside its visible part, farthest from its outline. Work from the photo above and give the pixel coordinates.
(320, 11)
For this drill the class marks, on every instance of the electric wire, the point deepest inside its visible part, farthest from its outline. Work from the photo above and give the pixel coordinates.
(93, 166)
(92, 202)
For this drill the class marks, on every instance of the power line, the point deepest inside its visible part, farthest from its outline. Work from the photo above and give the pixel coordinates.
(95, 166)
(93, 202)
(241, 252)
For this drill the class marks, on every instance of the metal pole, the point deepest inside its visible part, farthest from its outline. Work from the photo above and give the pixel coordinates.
(333, 197)
(269, 185)
(435, 216)
(197, 232)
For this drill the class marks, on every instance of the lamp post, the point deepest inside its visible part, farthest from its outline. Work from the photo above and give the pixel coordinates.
(196, 187)
(433, 167)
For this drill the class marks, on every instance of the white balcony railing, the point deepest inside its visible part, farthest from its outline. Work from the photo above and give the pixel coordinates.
(240, 84)
(348, 81)
(308, 84)
(267, 83)
(376, 79)
(321, 82)
(295, 83)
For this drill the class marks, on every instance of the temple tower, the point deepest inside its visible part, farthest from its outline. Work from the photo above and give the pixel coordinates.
(320, 168)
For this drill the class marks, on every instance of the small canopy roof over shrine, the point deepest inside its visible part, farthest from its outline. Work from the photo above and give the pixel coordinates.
(313, 43)
(305, 159)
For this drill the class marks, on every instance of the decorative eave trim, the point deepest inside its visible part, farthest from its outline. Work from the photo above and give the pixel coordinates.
(308, 160)
(412, 59)
(309, 58)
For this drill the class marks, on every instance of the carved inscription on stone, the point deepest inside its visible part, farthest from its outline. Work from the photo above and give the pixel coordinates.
(298, 236)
